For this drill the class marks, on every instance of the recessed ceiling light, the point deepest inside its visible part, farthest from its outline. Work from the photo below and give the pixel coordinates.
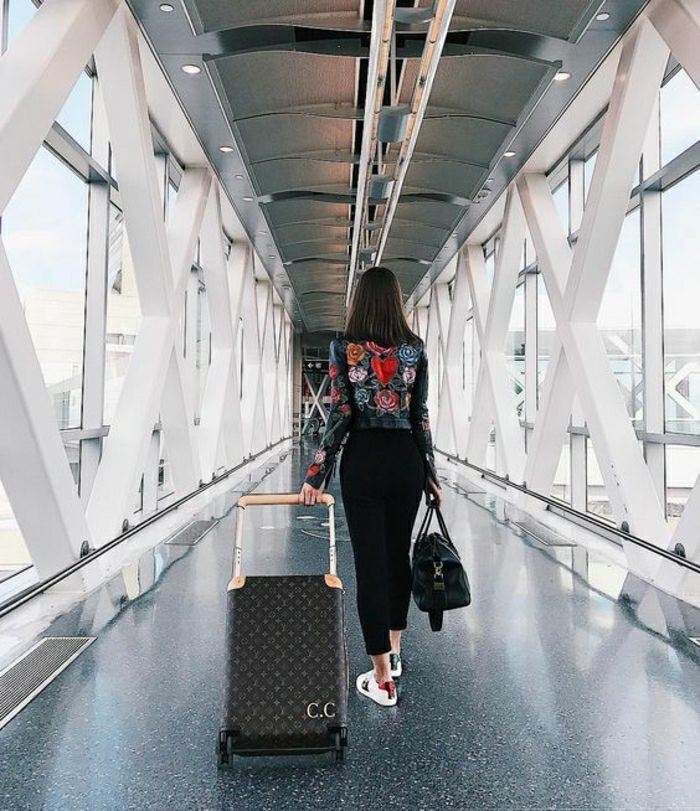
(167, 7)
(509, 154)
(562, 76)
(271, 256)
(191, 69)
(225, 148)
(239, 177)
(262, 233)
(603, 16)
(247, 199)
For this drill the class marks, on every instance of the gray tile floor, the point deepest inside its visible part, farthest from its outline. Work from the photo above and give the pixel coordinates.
(548, 692)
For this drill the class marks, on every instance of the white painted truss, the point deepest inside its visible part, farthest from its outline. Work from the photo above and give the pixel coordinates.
(239, 414)
(579, 378)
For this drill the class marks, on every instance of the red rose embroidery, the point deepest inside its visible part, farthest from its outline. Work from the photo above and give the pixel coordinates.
(345, 408)
(335, 394)
(386, 400)
(333, 371)
(313, 470)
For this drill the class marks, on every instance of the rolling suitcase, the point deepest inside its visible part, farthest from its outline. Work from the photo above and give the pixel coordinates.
(286, 689)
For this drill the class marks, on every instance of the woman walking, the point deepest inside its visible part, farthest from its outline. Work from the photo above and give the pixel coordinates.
(379, 389)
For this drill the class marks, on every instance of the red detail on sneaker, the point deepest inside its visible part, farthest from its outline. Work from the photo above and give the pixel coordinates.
(390, 688)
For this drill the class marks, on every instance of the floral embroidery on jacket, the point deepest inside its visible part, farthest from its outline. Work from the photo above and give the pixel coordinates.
(374, 386)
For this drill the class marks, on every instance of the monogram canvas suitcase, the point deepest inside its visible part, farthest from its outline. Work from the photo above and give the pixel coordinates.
(286, 689)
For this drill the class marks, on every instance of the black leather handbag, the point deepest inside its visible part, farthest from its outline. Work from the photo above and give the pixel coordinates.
(439, 580)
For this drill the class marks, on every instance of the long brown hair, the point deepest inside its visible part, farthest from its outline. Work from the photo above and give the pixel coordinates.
(376, 311)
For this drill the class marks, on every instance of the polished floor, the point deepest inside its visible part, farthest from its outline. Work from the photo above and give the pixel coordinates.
(550, 692)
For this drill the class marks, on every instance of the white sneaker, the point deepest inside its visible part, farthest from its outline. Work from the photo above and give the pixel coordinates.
(396, 666)
(384, 694)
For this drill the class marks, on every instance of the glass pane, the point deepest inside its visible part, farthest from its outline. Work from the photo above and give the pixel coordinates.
(13, 551)
(19, 14)
(203, 343)
(588, 168)
(172, 197)
(561, 201)
(490, 267)
(76, 115)
(468, 379)
(490, 462)
(73, 453)
(546, 332)
(597, 498)
(620, 317)
(165, 480)
(561, 487)
(682, 470)
(45, 233)
(681, 290)
(515, 348)
(680, 116)
(123, 312)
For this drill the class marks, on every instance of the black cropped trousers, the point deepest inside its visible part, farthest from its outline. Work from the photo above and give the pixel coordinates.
(382, 478)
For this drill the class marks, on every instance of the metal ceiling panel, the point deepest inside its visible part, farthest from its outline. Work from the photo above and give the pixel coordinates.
(418, 233)
(408, 248)
(285, 135)
(213, 15)
(551, 18)
(472, 140)
(459, 179)
(490, 86)
(308, 250)
(281, 81)
(285, 174)
(286, 212)
(441, 215)
(310, 232)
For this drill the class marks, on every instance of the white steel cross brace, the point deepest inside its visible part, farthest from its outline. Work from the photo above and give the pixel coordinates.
(494, 395)
(162, 262)
(575, 284)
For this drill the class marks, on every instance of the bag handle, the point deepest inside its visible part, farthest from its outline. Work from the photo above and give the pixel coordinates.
(441, 523)
(425, 523)
(433, 509)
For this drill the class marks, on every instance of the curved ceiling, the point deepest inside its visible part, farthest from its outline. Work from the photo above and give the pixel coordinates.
(291, 78)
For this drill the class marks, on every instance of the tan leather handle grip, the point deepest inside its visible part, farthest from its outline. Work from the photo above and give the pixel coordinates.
(279, 498)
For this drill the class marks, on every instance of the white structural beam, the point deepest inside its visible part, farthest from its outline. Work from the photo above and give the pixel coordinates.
(221, 392)
(494, 397)
(161, 272)
(451, 428)
(678, 22)
(34, 468)
(580, 355)
(38, 72)
(253, 408)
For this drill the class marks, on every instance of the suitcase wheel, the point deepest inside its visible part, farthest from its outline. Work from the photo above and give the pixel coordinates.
(339, 737)
(226, 740)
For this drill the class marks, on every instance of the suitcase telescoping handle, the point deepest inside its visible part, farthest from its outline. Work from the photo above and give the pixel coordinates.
(259, 499)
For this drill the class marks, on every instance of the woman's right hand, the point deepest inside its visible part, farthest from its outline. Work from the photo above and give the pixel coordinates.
(310, 495)
(432, 490)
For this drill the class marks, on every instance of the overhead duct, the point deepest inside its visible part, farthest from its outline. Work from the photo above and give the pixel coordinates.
(380, 186)
(392, 123)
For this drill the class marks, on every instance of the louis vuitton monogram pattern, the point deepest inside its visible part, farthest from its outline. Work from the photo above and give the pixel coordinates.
(287, 672)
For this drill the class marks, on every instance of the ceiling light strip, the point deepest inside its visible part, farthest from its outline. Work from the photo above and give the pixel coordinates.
(379, 50)
(430, 60)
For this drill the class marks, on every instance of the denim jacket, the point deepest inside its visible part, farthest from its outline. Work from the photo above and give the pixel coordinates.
(374, 387)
